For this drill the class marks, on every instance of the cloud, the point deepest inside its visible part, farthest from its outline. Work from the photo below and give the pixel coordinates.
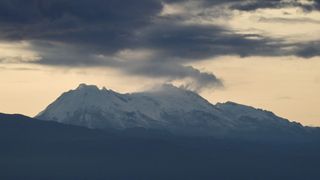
(165, 51)
(287, 20)
(19, 68)
(106, 25)
(135, 37)
(307, 5)
(185, 42)
(171, 71)
(309, 50)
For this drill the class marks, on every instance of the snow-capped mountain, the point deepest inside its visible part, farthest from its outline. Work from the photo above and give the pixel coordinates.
(166, 108)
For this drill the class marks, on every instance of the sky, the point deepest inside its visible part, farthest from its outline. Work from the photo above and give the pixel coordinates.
(262, 53)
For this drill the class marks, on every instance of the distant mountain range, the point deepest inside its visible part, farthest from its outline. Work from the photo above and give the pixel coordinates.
(171, 109)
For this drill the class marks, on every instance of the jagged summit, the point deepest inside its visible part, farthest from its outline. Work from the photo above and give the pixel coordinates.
(159, 89)
(164, 107)
(85, 86)
(89, 87)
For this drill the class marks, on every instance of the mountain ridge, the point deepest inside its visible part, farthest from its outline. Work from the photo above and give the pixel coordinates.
(37, 149)
(169, 108)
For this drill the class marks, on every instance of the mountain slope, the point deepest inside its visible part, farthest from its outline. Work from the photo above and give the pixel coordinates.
(15, 127)
(167, 108)
(35, 149)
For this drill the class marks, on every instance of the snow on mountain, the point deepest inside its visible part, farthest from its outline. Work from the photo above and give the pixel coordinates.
(166, 107)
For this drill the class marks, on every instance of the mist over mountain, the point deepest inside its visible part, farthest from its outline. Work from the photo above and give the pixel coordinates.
(172, 109)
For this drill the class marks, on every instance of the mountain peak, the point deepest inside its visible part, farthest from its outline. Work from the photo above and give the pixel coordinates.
(164, 107)
(84, 86)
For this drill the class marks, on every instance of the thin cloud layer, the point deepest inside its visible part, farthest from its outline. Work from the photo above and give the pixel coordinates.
(307, 5)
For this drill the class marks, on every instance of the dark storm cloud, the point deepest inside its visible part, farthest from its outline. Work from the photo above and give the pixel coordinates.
(107, 25)
(189, 42)
(309, 50)
(112, 11)
(258, 4)
(100, 27)
(317, 4)
(80, 32)
(262, 4)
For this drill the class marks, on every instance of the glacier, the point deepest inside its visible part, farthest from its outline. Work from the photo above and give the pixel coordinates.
(168, 108)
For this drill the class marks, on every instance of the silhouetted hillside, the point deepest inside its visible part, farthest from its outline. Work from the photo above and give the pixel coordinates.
(34, 149)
